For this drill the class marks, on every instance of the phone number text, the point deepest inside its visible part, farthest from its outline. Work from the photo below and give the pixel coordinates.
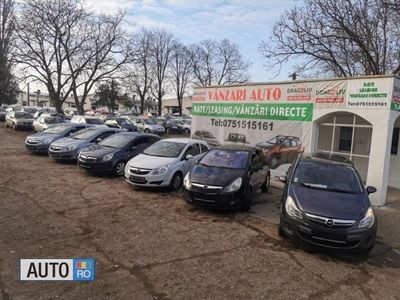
(242, 124)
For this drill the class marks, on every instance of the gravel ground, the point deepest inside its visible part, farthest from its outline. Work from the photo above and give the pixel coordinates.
(151, 245)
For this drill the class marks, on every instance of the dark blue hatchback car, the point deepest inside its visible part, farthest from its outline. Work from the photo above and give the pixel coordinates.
(112, 153)
(325, 204)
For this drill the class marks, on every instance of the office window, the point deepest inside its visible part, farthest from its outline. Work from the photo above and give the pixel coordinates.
(395, 140)
(346, 134)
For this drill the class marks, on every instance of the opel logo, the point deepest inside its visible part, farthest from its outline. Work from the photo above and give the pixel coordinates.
(205, 187)
(329, 223)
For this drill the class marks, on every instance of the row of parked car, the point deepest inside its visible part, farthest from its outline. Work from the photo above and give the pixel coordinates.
(22, 117)
(324, 202)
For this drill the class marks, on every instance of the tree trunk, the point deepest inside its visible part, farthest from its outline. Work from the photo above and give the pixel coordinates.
(159, 104)
(180, 105)
(142, 103)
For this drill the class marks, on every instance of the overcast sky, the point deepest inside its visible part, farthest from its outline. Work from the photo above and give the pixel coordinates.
(245, 22)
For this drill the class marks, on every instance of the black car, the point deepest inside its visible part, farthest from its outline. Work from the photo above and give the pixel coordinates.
(2, 114)
(227, 177)
(325, 204)
(120, 123)
(40, 142)
(112, 154)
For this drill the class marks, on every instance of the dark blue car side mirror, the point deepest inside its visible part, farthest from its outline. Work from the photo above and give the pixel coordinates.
(371, 190)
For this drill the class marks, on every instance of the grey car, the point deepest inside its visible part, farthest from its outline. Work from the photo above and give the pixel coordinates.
(68, 148)
(40, 142)
(19, 120)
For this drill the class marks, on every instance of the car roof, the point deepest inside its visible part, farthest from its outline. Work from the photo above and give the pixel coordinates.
(326, 159)
(134, 134)
(185, 140)
(237, 147)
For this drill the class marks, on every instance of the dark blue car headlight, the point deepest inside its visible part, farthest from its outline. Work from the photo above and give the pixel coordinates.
(234, 185)
(368, 220)
(107, 157)
(291, 208)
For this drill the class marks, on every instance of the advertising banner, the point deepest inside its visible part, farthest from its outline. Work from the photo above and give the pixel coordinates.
(278, 117)
(275, 118)
(395, 105)
(369, 93)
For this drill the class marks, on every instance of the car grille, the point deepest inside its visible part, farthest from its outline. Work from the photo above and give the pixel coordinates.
(139, 171)
(329, 239)
(328, 222)
(205, 189)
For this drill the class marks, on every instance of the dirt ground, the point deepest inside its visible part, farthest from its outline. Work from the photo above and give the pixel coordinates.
(151, 245)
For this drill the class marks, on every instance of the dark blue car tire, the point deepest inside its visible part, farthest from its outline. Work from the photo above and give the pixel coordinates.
(247, 200)
(120, 168)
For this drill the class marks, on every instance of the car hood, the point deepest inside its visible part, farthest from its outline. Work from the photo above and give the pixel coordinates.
(214, 175)
(150, 162)
(40, 136)
(331, 204)
(99, 150)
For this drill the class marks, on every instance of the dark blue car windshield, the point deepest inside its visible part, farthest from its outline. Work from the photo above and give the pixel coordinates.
(332, 177)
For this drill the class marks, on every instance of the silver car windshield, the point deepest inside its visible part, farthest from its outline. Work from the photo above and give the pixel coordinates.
(165, 149)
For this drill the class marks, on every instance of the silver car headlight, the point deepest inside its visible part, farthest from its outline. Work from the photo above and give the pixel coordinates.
(160, 170)
(107, 157)
(186, 181)
(292, 209)
(47, 141)
(368, 220)
(234, 185)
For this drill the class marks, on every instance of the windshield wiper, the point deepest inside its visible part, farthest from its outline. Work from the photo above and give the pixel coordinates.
(313, 186)
(341, 191)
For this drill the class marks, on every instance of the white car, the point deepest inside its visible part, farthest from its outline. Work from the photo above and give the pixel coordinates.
(165, 163)
(45, 121)
(147, 125)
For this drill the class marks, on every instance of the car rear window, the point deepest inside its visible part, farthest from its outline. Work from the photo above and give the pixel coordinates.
(231, 159)
(94, 121)
(23, 115)
(331, 177)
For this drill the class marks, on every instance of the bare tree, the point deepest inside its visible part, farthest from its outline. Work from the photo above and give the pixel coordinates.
(68, 49)
(218, 62)
(161, 50)
(181, 71)
(8, 85)
(140, 73)
(336, 37)
(97, 54)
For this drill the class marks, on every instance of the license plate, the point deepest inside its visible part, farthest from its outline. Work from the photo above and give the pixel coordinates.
(137, 178)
